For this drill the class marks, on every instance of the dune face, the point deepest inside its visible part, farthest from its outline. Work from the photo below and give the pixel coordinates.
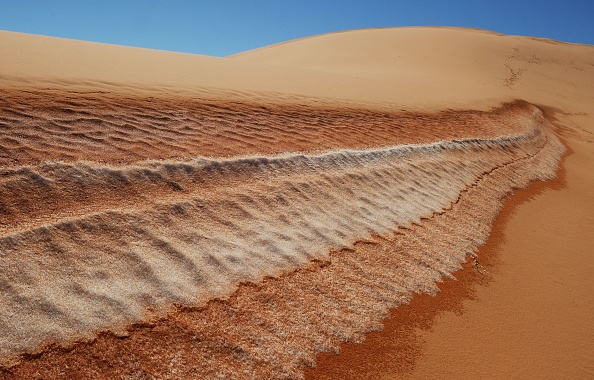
(208, 228)
(90, 247)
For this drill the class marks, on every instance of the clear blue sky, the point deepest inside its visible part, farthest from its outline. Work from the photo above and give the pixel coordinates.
(223, 27)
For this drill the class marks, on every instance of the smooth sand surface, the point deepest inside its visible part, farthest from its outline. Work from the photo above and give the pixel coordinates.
(172, 215)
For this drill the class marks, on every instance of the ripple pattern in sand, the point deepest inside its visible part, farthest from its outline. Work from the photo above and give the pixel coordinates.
(40, 125)
(88, 247)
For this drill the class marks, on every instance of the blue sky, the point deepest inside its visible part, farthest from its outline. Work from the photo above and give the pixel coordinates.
(223, 27)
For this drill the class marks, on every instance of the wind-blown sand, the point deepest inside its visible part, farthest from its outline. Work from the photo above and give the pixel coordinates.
(172, 215)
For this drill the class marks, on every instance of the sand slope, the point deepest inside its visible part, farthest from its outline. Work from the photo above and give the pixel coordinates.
(139, 188)
(423, 64)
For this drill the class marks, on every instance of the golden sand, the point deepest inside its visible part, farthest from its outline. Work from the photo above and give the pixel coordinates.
(171, 215)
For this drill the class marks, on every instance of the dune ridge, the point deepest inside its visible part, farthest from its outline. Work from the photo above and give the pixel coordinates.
(123, 243)
(244, 331)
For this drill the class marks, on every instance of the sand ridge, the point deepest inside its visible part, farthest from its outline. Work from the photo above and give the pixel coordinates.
(135, 238)
(375, 283)
(148, 199)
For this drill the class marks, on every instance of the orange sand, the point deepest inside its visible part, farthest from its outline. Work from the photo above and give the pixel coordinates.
(513, 318)
(235, 217)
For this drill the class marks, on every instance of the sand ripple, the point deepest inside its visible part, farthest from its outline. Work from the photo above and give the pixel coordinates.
(99, 245)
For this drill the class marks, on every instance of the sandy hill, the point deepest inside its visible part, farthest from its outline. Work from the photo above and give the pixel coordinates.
(426, 63)
(174, 215)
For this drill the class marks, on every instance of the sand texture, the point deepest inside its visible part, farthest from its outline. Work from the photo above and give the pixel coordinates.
(166, 215)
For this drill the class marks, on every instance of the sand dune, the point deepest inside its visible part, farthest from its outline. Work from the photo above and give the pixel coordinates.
(138, 237)
(200, 217)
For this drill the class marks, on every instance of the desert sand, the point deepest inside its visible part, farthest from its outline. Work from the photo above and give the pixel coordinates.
(170, 215)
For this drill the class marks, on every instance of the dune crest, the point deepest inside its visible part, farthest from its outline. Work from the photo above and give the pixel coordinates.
(123, 243)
